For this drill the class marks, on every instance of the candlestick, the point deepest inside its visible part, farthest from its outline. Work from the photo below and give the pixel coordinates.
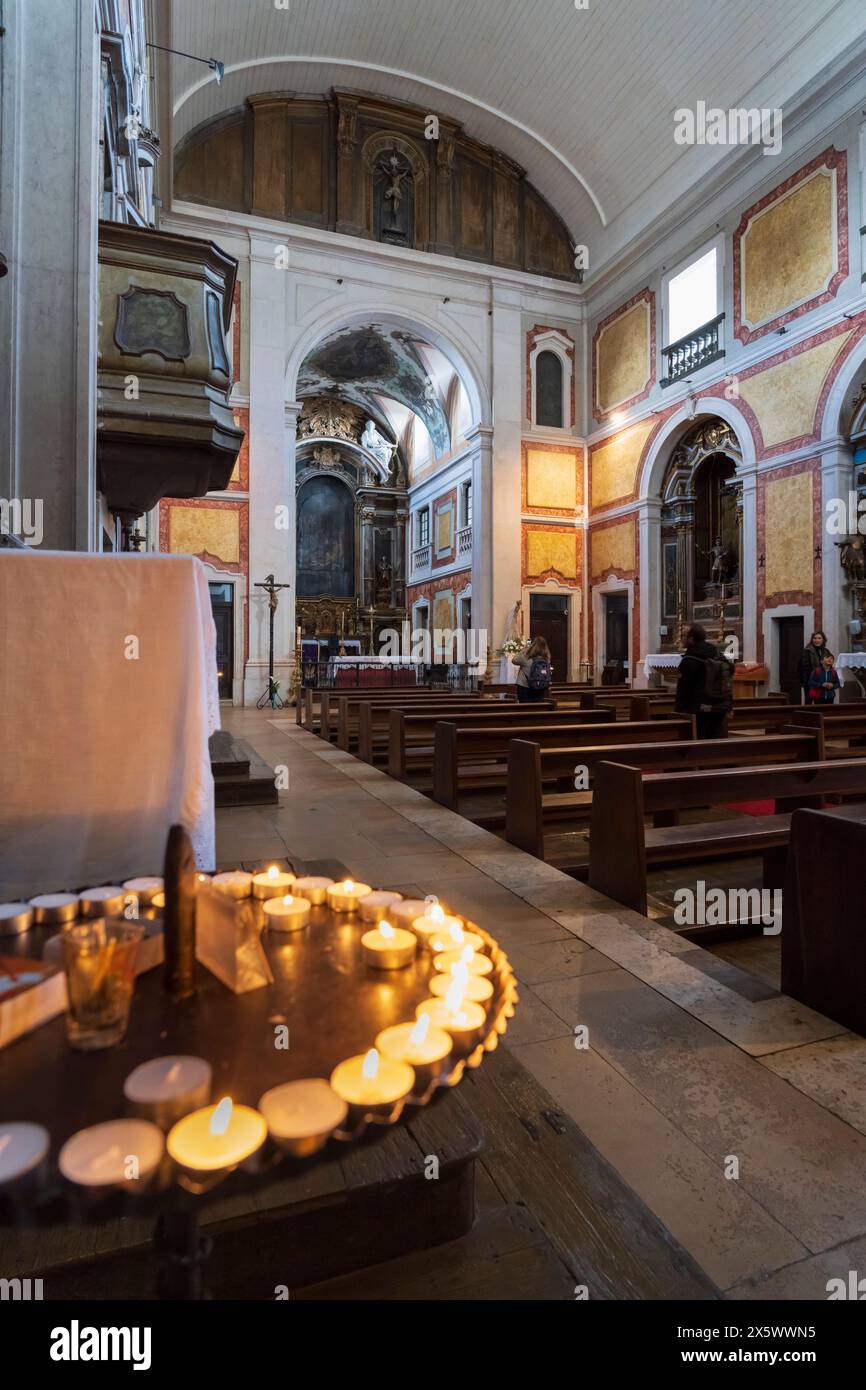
(101, 902)
(302, 1115)
(287, 913)
(54, 908)
(15, 918)
(272, 883)
(312, 887)
(167, 1088)
(462, 1018)
(476, 963)
(426, 1049)
(434, 922)
(377, 905)
(345, 896)
(372, 1084)
(118, 1153)
(144, 888)
(23, 1151)
(474, 987)
(235, 882)
(389, 948)
(216, 1138)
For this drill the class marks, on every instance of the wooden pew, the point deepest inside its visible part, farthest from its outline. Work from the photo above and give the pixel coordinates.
(621, 847)
(353, 716)
(531, 767)
(332, 701)
(411, 737)
(664, 703)
(464, 756)
(768, 715)
(823, 941)
(846, 721)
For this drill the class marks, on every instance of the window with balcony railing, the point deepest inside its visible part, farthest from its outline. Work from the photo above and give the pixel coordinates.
(695, 350)
(692, 315)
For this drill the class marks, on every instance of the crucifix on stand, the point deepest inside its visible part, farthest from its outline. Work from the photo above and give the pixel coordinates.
(270, 696)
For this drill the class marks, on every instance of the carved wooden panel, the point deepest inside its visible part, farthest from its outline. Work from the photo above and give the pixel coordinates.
(309, 168)
(270, 158)
(215, 162)
(474, 210)
(507, 249)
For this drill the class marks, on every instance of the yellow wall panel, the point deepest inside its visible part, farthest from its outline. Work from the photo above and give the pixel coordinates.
(613, 547)
(785, 397)
(788, 250)
(622, 358)
(613, 467)
(214, 529)
(551, 550)
(788, 534)
(551, 480)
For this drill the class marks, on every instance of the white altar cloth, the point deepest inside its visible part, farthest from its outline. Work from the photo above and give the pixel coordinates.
(661, 661)
(852, 661)
(108, 693)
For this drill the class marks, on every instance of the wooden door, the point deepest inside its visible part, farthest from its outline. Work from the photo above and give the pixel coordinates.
(792, 640)
(222, 605)
(548, 618)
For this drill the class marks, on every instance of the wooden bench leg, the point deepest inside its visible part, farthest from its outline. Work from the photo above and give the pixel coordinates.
(775, 861)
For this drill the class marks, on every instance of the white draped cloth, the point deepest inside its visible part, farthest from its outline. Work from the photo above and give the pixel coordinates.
(108, 695)
(661, 661)
(851, 661)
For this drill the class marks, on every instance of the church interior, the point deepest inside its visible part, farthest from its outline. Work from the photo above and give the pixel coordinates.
(375, 370)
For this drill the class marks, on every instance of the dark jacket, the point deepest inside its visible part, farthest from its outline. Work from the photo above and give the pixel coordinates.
(810, 659)
(817, 693)
(690, 683)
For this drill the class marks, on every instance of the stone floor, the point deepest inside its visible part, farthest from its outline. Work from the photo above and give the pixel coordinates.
(736, 1114)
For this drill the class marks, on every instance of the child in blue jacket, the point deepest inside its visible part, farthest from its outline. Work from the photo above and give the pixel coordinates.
(823, 683)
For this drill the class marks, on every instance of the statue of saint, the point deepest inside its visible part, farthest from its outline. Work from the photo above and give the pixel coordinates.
(852, 556)
(377, 445)
(514, 623)
(720, 557)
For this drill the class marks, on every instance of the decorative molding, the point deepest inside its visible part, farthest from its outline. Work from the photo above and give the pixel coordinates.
(644, 295)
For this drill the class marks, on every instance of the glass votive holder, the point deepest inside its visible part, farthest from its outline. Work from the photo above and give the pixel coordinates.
(99, 962)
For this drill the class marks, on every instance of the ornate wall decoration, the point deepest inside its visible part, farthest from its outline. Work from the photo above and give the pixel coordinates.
(614, 465)
(624, 355)
(788, 543)
(151, 320)
(791, 248)
(613, 550)
(785, 396)
(539, 330)
(552, 480)
(329, 418)
(217, 531)
(551, 552)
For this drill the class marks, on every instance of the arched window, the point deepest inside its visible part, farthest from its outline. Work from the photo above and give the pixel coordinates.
(548, 390)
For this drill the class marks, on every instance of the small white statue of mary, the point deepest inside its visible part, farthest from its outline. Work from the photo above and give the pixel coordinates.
(512, 642)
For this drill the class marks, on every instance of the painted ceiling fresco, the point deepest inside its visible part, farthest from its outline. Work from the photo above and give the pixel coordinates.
(359, 363)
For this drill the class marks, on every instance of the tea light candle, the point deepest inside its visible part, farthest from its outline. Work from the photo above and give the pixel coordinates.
(216, 1138)
(473, 960)
(345, 896)
(158, 900)
(23, 1149)
(433, 922)
(462, 1018)
(372, 1083)
(302, 1115)
(118, 1153)
(101, 902)
(144, 888)
(454, 939)
(202, 878)
(389, 948)
(272, 883)
(426, 1049)
(403, 914)
(474, 987)
(313, 888)
(54, 908)
(287, 913)
(15, 918)
(377, 905)
(167, 1088)
(235, 882)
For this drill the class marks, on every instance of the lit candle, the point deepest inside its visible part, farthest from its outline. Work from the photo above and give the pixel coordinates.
(475, 987)
(302, 1115)
(405, 912)
(372, 1084)
(345, 896)
(101, 902)
(389, 948)
(433, 922)
(15, 918)
(54, 908)
(287, 913)
(235, 882)
(476, 963)
(167, 1088)
(312, 887)
(158, 901)
(216, 1138)
(273, 883)
(454, 939)
(202, 878)
(23, 1150)
(376, 905)
(119, 1153)
(426, 1049)
(144, 888)
(462, 1018)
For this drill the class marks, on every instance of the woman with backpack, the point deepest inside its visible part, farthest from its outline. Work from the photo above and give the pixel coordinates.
(536, 673)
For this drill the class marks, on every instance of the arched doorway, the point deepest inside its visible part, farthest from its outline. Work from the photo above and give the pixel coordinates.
(702, 536)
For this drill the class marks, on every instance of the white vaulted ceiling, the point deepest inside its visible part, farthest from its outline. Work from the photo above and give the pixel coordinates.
(584, 99)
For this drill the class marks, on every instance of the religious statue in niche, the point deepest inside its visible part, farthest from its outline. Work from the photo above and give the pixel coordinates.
(377, 445)
(720, 561)
(393, 199)
(852, 556)
(383, 580)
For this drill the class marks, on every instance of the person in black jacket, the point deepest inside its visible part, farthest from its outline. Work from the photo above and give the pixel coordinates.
(710, 710)
(812, 658)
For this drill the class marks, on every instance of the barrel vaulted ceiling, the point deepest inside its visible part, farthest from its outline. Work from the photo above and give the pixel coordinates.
(584, 99)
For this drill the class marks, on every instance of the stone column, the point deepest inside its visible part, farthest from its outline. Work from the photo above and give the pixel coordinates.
(749, 565)
(272, 482)
(508, 393)
(49, 201)
(401, 516)
(837, 608)
(481, 437)
(650, 588)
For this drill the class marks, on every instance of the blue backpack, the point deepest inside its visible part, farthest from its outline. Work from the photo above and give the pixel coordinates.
(540, 675)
